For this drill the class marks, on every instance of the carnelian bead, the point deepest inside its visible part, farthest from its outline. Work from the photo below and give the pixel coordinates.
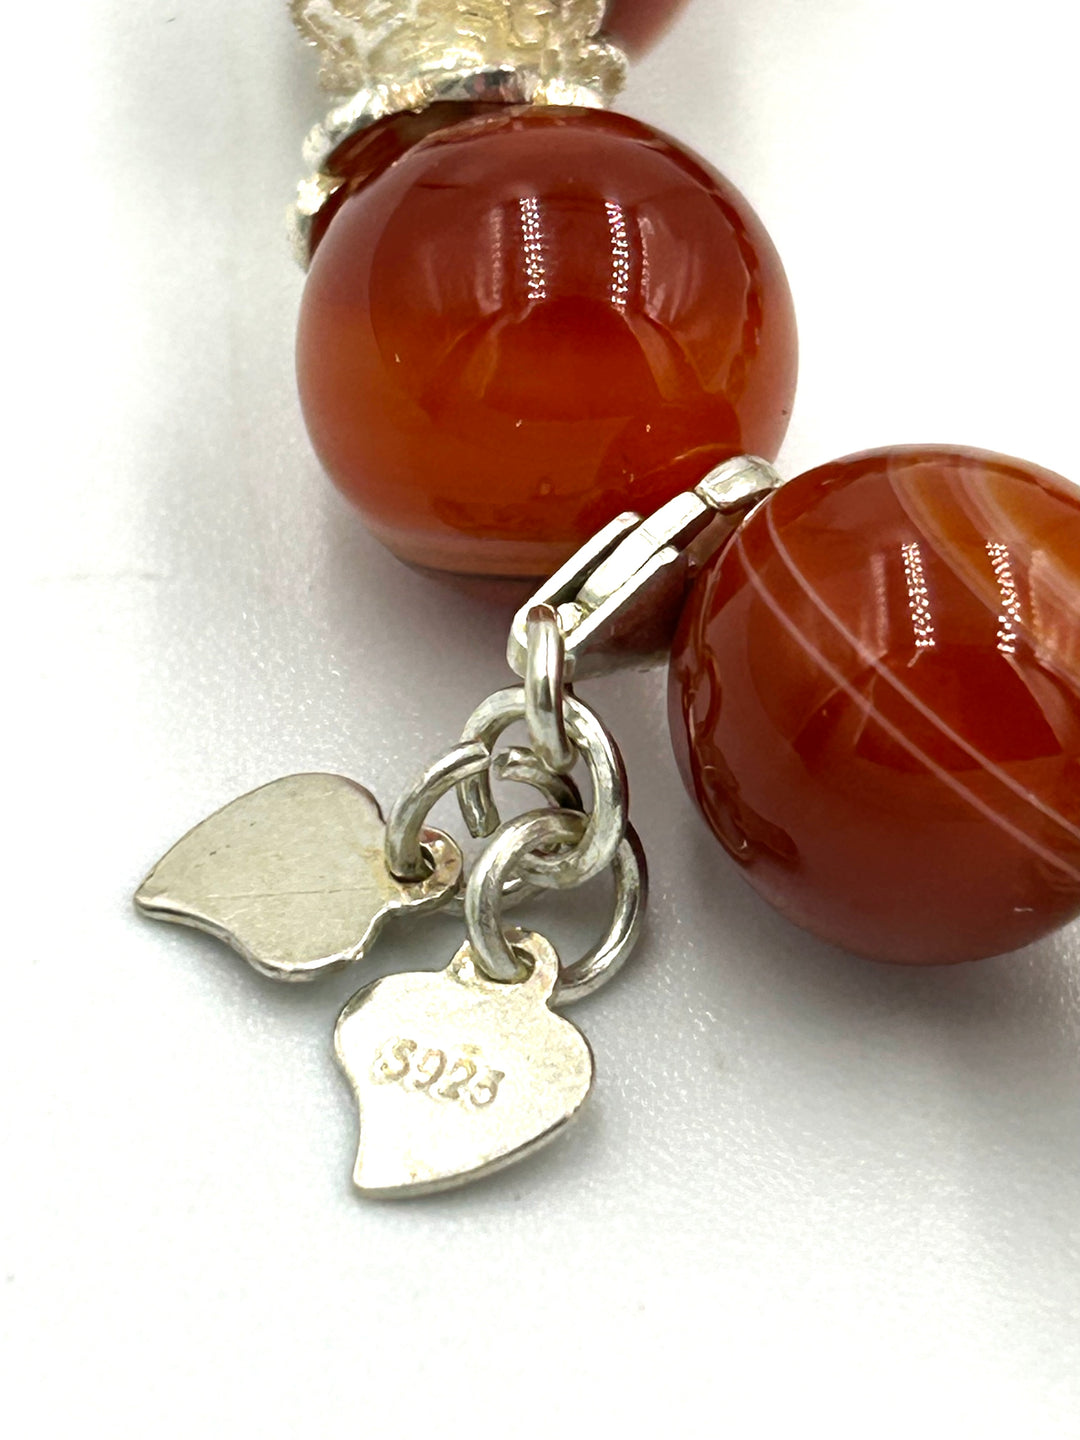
(636, 24)
(875, 699)
(534, 319)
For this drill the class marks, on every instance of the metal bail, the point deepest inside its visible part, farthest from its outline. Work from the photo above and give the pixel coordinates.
(618, 600)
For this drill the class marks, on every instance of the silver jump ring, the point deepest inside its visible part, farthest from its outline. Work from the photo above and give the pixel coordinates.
(523, 767)
(605, 827)
(502, 858)
(405, 854)
(544, 691)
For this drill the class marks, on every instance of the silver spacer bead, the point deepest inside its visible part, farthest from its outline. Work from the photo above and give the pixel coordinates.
(386, 56)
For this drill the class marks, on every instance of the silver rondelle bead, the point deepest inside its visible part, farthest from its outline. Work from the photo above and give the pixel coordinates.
(386, 56)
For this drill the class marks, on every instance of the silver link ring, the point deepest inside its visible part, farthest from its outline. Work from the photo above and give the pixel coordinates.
(605, 827)
(405, 854)
(411, 847)
(523, 767)
(502, 859)
(545, 691)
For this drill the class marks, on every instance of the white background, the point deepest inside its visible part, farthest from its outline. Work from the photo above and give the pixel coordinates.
(811, 1196)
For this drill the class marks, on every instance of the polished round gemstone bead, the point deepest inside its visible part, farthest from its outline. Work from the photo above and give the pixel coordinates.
(530, 321)
(875, 699)
(637, 24)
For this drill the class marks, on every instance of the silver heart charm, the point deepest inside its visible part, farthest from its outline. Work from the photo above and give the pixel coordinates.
(457, 1075)
(294, 876)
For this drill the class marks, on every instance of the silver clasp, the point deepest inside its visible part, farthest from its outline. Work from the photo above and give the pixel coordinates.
(617, 601)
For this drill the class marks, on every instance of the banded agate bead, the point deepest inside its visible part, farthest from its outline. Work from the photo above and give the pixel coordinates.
(875, 699)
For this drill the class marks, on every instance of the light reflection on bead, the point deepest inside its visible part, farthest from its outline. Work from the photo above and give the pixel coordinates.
(922, 619)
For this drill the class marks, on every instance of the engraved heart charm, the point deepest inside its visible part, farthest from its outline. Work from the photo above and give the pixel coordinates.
(294, 876)
(457, 1075)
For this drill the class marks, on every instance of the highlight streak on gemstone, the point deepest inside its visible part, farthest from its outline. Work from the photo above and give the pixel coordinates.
(1010, 598)
(620, 255)
(890, 679)
(894, 732)
(922, 620)
(495, 274)
(1046, 629)
(532, 239)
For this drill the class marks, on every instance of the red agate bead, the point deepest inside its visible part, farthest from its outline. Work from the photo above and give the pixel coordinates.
(635, 24)
(534, 319)
(875, 698)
